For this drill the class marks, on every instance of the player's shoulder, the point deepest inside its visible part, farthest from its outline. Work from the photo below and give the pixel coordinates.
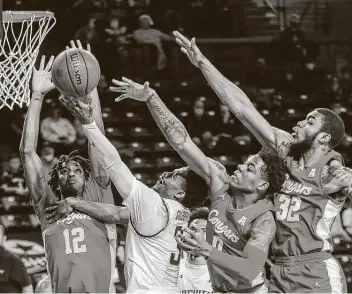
(265, 222)
(330, 167)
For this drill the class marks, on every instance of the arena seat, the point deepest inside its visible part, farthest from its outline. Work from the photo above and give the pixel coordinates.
(169, 163)
(141, 163)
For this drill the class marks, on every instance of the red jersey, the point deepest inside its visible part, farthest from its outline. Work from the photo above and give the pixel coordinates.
(227, 231)
(304, 212)
(79, 249)
(79, 254)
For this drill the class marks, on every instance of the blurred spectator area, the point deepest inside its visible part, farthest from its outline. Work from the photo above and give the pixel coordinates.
(283, 89)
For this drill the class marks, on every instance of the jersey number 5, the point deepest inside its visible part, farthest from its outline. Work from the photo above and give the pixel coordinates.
(289, 208)
(176, 257)
(75, 237)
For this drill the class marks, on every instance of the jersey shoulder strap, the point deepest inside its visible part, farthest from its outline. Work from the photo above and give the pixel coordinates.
(260, 207)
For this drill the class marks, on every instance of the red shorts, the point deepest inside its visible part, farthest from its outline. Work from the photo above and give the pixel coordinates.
(314, 273)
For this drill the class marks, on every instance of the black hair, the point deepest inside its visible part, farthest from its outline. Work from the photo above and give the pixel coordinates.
(333, 125)
(199, 213)
(195, 188)
(275, 169)
(63, 160)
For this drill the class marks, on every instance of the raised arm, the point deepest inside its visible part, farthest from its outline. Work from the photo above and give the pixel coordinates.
(105, 152)
(98, 170)
(41, 84)
(148, 212)
(105, 213)
(255, 252)
(172, 128)
(232, 96)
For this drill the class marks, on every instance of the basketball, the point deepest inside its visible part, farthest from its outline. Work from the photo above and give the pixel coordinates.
(75, 72)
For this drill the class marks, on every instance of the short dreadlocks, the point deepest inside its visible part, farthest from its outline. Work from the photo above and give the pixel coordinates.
(63, 160)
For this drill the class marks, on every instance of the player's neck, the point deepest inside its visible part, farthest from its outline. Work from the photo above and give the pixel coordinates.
(197, 260)
(243, 201)
(313, 156)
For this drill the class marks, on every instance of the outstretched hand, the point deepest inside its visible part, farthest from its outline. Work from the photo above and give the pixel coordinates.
(131, 89)
(58, 210)
(189, 48)
(41, 80)
(79, 45)
(193, 243)
(80, 110)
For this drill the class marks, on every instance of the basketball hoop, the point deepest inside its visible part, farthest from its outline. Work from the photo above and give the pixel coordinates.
(23, 33)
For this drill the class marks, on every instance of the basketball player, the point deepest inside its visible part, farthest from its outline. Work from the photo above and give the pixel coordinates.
(156, 215)
(194, 275)
(241, 224)
(309, 199)
(72, 243)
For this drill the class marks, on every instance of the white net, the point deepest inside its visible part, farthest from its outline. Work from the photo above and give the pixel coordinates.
(23, 33)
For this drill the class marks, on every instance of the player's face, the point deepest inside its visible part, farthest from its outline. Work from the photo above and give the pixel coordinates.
(305, 133)
(199, 226)
(71, 179)
(170, 183)
(248, 176)
(15, 164)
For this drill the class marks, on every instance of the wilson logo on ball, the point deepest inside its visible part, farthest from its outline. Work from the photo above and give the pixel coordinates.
(76, 66)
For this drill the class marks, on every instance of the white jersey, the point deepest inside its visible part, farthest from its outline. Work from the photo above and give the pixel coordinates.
(194, 278)
(152, 262)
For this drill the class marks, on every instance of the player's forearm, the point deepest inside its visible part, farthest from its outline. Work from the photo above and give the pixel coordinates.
(96, 110)
(104, 150)
(228, 92)
(30, 130)
(246, 268)
(171, 127)
(178, 137)
(104, 213)
(97, 169)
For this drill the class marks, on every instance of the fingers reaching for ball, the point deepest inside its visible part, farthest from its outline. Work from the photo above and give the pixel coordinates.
(79, 45)
(42, 66)
(50, 63)
(121, 97)
(131, 89)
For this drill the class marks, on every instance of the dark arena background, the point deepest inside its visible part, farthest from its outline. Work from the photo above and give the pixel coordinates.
(286, 72)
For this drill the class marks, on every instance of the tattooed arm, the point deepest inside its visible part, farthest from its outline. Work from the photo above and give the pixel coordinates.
(337, 180)
(255, 253)
(173, 130)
